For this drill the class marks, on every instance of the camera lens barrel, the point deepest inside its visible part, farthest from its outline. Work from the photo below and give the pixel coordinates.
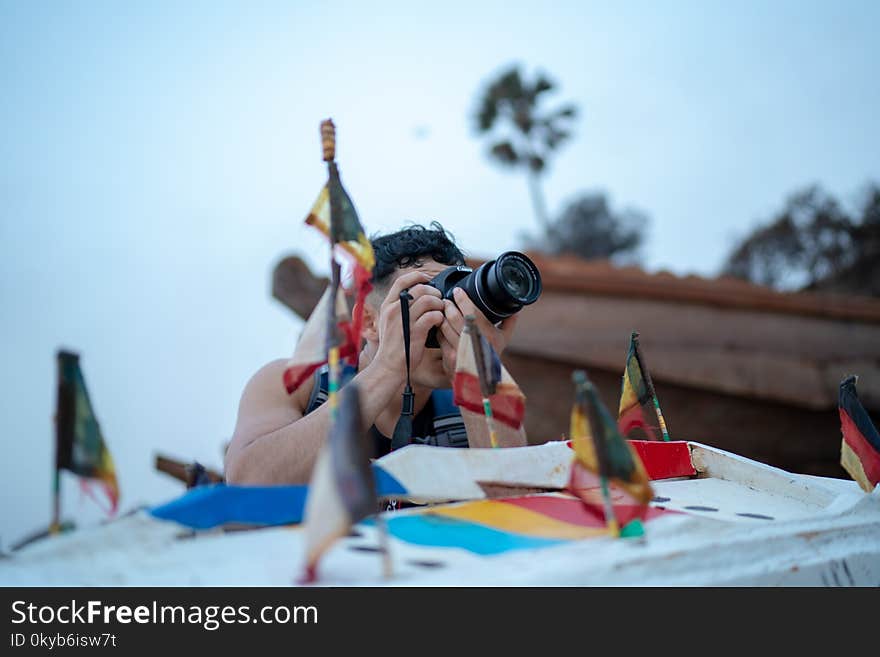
(499, 288)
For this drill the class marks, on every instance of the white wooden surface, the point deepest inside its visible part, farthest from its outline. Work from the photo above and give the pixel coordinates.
(823, 532)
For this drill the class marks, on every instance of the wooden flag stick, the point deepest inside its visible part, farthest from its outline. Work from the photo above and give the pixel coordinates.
(490, 422)
(55, 527)
(482, 375)
(385, 546)
(647, 375)
(610, 517)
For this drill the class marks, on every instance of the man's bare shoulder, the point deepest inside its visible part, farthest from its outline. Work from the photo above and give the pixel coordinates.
(266, 388)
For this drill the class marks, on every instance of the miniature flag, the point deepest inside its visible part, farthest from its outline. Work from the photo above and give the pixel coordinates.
(600, 451)
(860, 446)
(506, 399)
(80, 446)
(350, 235)
(311, 350)
(639, 408)
(335, 216)
(342, 491)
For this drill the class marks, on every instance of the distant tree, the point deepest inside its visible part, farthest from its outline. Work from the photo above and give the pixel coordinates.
(813, 243)
(589, 228)
(522, 136)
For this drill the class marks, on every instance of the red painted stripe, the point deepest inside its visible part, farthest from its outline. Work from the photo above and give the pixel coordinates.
(576, 512)
(506, 408)
(663, 460)
(859, 444)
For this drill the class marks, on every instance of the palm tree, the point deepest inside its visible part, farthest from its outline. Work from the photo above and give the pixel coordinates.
(521, 137)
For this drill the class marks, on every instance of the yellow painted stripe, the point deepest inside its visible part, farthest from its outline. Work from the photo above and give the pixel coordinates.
(511, 518)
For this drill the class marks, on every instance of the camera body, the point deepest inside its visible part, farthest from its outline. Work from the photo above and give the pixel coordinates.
(499, 288)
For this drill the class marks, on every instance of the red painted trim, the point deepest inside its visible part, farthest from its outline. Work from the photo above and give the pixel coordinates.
(663, 459)
(506, 408)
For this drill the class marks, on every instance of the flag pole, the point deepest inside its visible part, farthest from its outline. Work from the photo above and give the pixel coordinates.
(55, 525)
(610, 517)
(384, 546)
(479, 357)
(647, 374)
(328, 146)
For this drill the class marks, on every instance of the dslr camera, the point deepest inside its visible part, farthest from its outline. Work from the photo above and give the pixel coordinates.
(499, 288)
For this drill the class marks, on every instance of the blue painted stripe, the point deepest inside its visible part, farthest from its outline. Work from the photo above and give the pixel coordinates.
(437, 531)
(211, 506)
(205, 507)
(386, 484)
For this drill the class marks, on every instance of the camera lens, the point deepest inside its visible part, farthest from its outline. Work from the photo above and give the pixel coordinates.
(498, 288)
(515, 277)
(501, 287)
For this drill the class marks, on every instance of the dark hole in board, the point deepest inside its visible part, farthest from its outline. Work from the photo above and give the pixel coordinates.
(700, 508)
(366, 548)
(354, 533)
(427, 564)
(660, 499)
(756, 515)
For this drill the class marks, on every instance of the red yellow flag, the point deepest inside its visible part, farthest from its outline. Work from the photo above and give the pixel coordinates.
(334, 214)
(507, 401)
(639, 411)
(600, 451)
(352, 239)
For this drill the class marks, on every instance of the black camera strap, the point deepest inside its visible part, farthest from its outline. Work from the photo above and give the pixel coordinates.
(403, 429)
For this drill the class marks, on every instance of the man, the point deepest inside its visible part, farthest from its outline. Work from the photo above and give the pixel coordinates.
(278, 436)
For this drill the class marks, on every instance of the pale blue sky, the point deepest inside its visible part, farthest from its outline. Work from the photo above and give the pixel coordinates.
(157, 159)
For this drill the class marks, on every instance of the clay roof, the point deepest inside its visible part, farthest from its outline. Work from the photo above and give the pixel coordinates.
(601, 277)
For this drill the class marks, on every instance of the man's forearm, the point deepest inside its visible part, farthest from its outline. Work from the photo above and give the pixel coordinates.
(288, 454)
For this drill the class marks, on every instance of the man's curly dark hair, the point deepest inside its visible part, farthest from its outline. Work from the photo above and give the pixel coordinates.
(409, 247)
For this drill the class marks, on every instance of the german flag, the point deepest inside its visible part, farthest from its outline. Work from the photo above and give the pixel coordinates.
(860, 446)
